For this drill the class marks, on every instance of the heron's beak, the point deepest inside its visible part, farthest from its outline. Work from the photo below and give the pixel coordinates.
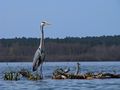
(48, 23)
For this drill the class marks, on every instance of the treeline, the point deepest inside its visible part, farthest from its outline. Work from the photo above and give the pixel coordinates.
(103, 48)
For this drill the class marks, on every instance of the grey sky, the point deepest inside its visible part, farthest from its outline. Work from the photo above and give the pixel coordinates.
(77, 18)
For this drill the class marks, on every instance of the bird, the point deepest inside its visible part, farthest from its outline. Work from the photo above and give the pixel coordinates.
(39, 55)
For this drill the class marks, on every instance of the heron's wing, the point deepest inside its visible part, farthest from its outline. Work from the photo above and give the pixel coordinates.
(42, 55)
(36, 59)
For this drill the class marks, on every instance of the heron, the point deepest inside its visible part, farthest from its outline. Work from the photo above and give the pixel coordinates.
(39, 55)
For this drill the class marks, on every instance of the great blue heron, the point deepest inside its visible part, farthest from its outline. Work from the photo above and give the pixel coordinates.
(40, 52)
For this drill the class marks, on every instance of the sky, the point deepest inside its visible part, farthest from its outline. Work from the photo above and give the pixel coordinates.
(74, 18)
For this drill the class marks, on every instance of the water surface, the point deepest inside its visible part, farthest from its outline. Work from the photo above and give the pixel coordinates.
(49, 84)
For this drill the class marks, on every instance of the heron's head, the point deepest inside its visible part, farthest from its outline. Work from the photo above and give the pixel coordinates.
(44, 23)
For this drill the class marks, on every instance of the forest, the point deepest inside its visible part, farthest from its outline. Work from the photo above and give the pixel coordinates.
(102, 48)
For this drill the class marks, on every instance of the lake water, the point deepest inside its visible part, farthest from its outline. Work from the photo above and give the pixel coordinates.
(49, 84)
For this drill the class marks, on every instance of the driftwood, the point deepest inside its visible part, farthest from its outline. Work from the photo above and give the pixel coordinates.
(23, 73)
(11, 76)
(60, 74)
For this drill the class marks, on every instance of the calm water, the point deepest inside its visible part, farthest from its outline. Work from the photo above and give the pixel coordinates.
(48, 84)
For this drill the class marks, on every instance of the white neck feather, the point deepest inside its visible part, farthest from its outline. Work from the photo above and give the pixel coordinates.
(41, 46)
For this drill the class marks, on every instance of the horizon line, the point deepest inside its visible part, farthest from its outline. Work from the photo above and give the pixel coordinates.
(58, 37)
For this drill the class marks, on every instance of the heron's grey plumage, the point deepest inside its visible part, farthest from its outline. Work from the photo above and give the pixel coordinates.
(40, 53)
(38, 58)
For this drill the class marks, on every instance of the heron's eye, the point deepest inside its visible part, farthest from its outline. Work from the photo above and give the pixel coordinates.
(43, 22)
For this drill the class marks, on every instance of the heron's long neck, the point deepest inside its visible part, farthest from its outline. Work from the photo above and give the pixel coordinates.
(42, 39)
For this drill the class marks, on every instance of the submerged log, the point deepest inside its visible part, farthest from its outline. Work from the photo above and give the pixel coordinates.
(60, 74)
(11, 76)
(23, 73)
(87, 76)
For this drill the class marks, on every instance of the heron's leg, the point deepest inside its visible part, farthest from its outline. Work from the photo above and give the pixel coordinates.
(37, 71)
(41, 74)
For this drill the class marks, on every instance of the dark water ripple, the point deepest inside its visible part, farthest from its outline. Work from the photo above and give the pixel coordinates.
(49, 84)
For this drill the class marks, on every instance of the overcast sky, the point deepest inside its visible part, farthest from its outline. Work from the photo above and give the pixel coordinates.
(76, 18)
